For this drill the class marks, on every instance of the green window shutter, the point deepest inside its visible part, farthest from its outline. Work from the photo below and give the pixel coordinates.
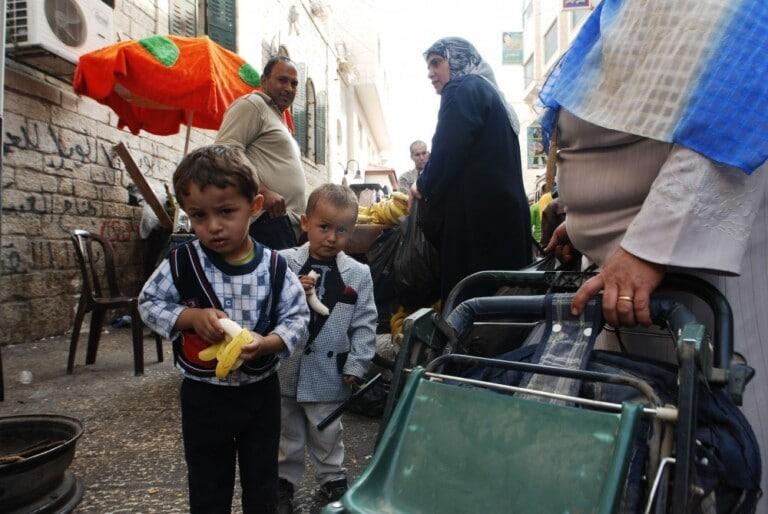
(320, 109)
(183, 18)
(300, 109)
(220, 24)
(309, 142)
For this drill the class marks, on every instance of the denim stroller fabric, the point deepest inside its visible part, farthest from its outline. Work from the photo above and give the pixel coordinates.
(728, 466)
(567, 343)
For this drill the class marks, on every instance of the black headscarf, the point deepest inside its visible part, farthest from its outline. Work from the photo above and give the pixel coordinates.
(464, 59)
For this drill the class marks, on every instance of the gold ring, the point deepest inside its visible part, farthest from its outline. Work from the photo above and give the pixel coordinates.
(627, 298)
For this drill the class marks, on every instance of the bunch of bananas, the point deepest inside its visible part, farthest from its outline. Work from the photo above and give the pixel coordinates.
(227, 352)
(385, 212)
(396, 321)
(398, 318)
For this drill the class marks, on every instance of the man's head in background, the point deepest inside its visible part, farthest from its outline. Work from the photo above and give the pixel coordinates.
(419, 154)
(279, 81)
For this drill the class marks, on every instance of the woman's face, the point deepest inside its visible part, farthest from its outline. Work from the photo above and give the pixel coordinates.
(439, 72)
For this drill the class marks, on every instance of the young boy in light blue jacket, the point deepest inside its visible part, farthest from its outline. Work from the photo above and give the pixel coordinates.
(339, 348)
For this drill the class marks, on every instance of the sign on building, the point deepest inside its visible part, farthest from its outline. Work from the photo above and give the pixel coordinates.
(577, 4)
(512, 48)
(537, 157)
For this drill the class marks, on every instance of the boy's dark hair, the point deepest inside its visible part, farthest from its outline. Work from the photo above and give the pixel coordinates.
(341, 197)
(215, 165)
(271, 64)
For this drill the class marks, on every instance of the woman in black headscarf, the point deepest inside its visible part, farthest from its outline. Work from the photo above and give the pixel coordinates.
(473, 209)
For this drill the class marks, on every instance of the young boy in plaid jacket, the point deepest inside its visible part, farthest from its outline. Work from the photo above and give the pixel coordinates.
(225, 274)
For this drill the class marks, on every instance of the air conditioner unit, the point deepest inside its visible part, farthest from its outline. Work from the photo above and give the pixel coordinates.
(52, 34)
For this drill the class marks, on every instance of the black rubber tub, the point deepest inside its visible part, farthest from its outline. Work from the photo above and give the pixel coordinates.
(40, 449)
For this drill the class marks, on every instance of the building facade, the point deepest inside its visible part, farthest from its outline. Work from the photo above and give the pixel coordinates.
(60, 171)
(548, 29)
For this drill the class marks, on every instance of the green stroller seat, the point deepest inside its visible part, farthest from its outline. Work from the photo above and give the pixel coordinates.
(456, 449)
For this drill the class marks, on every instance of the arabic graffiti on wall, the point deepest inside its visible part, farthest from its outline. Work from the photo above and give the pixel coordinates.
(74, 147)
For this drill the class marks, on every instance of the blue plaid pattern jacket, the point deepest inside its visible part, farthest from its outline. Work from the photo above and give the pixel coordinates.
(350, 329)
(240, 295)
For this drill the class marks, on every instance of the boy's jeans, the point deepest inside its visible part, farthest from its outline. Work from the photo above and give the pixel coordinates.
(220, 423)
(299, 430)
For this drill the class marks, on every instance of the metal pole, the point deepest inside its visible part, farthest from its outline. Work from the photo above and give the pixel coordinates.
(2, 147)
(189, 130)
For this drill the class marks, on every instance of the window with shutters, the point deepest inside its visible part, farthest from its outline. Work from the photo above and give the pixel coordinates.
(527, 13)
(577, 16)
(320, 124)
(528, 71)
(216, 18)
(550, 42)
(220, 22)
(311, 113)
(299, 110)
(183, 18)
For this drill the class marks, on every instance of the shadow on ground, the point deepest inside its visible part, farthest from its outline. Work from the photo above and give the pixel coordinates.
(130, 457)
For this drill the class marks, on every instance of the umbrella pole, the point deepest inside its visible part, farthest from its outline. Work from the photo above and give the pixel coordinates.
(189, 130)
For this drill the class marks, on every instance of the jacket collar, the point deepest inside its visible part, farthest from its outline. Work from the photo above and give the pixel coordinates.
(271, 103)
(343, 261)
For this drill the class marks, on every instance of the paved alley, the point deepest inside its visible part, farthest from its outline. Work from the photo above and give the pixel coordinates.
(130, 456)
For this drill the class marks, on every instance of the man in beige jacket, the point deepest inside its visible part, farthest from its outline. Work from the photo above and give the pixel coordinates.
(255, 124)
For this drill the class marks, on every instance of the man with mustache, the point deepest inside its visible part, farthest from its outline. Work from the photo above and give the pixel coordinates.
(255, 124)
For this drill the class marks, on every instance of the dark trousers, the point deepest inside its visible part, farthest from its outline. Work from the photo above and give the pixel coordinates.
(276, 233)
(220, 423)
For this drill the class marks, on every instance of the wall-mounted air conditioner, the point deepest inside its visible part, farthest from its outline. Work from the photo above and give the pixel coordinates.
(52, 34)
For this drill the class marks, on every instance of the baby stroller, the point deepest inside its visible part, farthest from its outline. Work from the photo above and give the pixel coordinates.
(536, 419)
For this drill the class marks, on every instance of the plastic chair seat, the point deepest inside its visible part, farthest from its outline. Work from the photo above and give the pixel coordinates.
(456, 449)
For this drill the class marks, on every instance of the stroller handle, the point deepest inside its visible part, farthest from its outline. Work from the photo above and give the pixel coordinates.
(664, 312)
(722, 337)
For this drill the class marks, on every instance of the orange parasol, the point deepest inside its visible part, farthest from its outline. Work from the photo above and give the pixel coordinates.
(159, 82)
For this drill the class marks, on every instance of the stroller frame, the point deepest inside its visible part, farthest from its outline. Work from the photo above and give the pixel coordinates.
(427, 338)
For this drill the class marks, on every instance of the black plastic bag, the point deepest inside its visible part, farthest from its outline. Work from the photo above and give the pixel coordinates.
(381, 259)
(417, 269)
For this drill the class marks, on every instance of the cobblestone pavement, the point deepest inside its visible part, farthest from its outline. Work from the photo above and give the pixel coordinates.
(130, 457)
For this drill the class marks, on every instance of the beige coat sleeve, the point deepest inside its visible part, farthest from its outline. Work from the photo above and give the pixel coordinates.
(698, 214)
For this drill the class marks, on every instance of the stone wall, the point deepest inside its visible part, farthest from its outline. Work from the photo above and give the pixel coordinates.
(60, 173)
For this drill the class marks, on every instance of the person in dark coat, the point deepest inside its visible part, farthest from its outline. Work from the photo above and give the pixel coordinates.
(473, 206)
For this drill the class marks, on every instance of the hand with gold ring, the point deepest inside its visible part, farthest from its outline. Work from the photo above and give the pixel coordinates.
(627, 283)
